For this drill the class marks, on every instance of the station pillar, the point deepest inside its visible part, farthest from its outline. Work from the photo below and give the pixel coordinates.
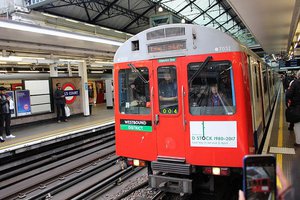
(69, 69)
(82, 69)
(53, 70)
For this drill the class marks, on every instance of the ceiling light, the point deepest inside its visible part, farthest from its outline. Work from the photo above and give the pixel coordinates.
(183, 21)
(118, 31)
(295, 45)
(298, 38)
(3, 71)
(33, 58)
(97, 72)
(10, 58)
(89, 24)
(28, 71)
(24, 63)
(34, 29)
(70, 60)
(71, 20)
(3, 62)
(102, 62)
(49, 15)
(160, 9)
(105, 28)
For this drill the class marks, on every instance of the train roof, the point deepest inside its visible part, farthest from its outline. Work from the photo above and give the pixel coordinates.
(189, 39)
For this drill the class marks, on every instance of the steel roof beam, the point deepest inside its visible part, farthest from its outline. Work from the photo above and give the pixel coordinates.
(105, 10)
(87, 12)
(187, 5)
(204, 11)
(232, 18)
(214, 19)
(137, 18)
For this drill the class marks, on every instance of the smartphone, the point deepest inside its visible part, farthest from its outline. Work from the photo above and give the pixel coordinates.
(259, 177)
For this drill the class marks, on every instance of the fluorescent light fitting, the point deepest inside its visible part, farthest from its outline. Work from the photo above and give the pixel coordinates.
(71, 20)
(49, 15)
(105, 28)
(34, 29)
(89, 24)
(10, 58)
(28, 71)
(3, 71)
(298, 38)
(295, 45)
(118, 31)
(69, 60)
(97, 72)
(24, 63)
(33, 58)
(3, 62)
(102, 62)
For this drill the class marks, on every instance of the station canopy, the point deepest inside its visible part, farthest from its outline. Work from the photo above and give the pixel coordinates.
(133, 16)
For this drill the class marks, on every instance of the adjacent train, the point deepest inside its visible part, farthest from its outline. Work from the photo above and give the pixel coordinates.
(190, 101)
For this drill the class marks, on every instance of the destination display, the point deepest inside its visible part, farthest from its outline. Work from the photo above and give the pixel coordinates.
(291, 63)
(167, 46)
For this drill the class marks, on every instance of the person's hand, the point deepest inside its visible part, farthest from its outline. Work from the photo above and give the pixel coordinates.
(241, 195)
(285, 185)
(8, 98)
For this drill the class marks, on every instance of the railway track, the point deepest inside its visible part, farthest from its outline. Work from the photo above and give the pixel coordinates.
(81, 166)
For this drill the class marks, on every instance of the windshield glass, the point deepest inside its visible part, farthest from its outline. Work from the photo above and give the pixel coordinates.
(211, 92)
(167, 88)
(134, 95)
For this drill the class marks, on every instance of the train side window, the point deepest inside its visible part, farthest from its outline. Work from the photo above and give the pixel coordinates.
(265, 81)
(212, 91)
(134, 96)
(167, 88)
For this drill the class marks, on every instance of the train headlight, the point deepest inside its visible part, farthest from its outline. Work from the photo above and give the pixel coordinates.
(216, 170)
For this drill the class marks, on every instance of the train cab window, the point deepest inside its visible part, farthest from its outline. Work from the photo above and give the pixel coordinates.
(211, 92)
(167, 88)
(134, 94)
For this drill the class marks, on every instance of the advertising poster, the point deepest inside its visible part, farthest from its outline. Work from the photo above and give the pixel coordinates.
(23, 102)
(12, 96)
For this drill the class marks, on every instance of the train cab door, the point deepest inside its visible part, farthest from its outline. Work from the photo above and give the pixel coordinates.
(168, 98)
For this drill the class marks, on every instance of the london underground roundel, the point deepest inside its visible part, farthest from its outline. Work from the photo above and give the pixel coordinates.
(66, 87)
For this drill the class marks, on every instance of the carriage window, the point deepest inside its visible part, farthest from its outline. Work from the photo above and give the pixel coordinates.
(134, 95)
(265, 82)
(211, 92)
(167, 88)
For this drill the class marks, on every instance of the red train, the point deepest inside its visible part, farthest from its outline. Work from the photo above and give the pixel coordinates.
(189, 100)
(260, 185)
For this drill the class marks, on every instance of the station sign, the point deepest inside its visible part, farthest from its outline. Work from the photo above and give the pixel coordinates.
(289, 64)
(136, 125)
(70, 92)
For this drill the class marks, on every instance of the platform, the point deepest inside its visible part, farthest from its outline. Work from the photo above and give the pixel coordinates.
(280, 141)
(48, 129)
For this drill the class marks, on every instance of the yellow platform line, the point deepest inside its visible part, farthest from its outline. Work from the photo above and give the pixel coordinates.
(59, 132)
(280, 138)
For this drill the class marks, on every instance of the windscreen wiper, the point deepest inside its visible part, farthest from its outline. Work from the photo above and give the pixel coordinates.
(134, 69)
(200, 68)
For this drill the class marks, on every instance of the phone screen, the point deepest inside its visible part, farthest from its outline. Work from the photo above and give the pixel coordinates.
(260, 178)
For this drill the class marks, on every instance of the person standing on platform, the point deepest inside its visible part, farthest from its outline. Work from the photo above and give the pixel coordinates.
(91, 98)
(5, 114)
(293, 94)
(60, 102)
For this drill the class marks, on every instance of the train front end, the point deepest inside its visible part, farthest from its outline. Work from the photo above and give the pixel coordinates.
(183, 106)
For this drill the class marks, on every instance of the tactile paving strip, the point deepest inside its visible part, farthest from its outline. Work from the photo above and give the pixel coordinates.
(282, 150)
